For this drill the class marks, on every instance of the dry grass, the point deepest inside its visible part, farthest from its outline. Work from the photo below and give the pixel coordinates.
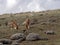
(44, 22)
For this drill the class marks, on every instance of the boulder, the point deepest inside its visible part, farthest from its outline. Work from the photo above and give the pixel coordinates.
(5, 41)
(1, 43)
(33, 37)
(15, 43)
(18, 36)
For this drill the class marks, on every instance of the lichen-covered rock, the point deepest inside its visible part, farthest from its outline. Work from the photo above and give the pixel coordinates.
(33, 36)
(5, 41)
(17, 36)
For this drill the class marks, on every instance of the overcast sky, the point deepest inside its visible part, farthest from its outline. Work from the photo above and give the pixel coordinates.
(14, 6)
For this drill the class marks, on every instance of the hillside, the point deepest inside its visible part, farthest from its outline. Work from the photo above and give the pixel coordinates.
(43, 21)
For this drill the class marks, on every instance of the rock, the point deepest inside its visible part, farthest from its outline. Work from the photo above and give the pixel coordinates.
(49, 32)
(44, 39)
(34, 21)
(18, 36)
(15, 43)
(1, 43)
(19, 40)
(6, 41)
(44, 23)
(52, 20)
(33, 36)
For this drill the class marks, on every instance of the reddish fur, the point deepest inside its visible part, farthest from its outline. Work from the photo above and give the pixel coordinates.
(27, 24)
(14, 24)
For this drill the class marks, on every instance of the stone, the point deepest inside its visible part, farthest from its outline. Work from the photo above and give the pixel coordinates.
(6, 41)
(18, 36)
(33, 36)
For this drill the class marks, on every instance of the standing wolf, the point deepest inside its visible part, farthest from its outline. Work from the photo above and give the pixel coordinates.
(27, 23)
(13, 24)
